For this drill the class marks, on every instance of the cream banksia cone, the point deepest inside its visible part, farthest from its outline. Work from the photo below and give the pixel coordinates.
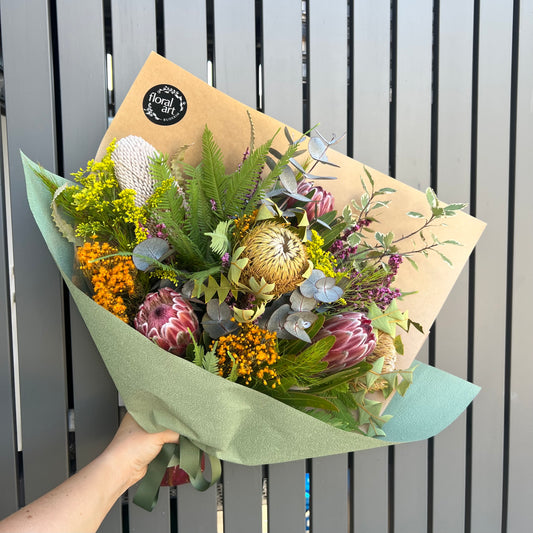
(132, 166)
(276, 254)
(354, 340)
(384, 348)
(167, 318)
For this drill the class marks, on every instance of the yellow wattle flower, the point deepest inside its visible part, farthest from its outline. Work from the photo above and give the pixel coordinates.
(276, 254)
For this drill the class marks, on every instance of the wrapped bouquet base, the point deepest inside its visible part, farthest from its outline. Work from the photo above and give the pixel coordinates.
(169, 108)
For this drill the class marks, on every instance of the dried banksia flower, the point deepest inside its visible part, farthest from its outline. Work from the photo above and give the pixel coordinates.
(132, 166)
(384, 348)
(276, 254)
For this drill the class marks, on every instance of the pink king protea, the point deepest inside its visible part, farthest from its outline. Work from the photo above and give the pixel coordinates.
(167, 318)
(321, 201)
(354, 340)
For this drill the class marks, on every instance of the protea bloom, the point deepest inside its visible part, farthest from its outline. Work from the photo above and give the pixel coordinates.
(354, 340)
(166, 318)
(276, 254)
(321, 201)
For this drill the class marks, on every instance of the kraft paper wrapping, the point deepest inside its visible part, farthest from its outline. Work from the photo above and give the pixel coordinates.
(225, 419)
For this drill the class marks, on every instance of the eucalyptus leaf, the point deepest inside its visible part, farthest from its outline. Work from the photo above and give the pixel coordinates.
(275, 153)
(288, 135)
(317, 149)
(218, 311)
(322, 223)
(297, 323)
(153, 248)
(270, 162)
(301, 303)
(297, 165)
(298, 196)
(317, 177)
(276, 321)
(308, 287)
(288, 180)
(327, 291)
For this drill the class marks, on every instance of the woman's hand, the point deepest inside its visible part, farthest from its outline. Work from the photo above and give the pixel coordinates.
(132, 449)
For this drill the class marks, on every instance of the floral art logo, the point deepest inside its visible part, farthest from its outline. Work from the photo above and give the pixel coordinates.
(164, 105)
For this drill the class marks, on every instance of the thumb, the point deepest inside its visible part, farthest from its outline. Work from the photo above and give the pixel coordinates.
(168, 436)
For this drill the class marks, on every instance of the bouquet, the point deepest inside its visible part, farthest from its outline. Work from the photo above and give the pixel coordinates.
(251, 274)
(251, 312)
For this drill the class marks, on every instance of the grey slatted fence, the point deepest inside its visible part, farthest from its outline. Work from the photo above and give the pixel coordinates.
(434, 93)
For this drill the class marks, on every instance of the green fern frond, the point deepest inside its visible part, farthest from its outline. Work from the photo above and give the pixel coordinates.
(268, 182)
(243, 184)
(200, 220)
(220, 242)
(213, 172)
(159, 168)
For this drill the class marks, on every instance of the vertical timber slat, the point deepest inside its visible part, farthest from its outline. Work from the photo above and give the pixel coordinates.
(413, 127)
(329, 494)
(282, 61)
(235, 50)
(8, 452)
(134, 37)
(495, 38)
(520, 511)
(197, 511)
(31, 128)
(158, 520)
(328, 68)
(371, 78)
(453, 170)
(185, 36)
(286, 497)
(243, 487)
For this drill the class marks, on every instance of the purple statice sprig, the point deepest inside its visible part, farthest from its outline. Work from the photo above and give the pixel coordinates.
(373, 284)
(344, 248)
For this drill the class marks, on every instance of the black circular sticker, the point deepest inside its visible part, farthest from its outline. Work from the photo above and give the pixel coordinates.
(164, 105)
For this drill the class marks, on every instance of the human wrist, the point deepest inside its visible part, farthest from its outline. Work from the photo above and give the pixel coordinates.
(119, 469)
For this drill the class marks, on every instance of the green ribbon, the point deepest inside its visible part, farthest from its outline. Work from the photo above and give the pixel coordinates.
(189, 459)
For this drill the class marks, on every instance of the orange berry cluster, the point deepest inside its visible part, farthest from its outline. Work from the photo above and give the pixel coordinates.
(110, 277)
(243, 224)
(253, 350)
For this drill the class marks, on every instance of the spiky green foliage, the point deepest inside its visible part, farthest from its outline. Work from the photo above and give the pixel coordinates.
(267, 183)
(166, 202)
